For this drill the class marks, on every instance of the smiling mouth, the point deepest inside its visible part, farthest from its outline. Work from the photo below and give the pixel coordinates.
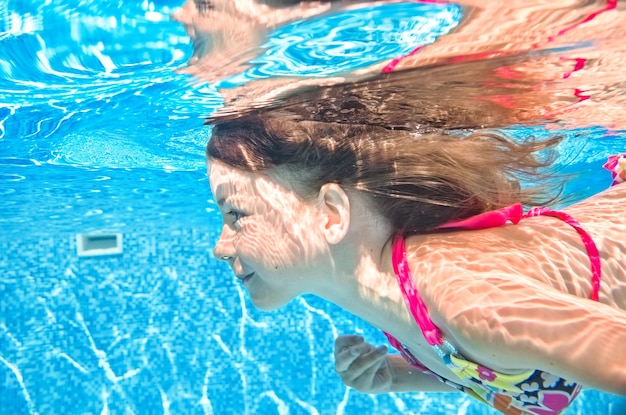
(246, 277)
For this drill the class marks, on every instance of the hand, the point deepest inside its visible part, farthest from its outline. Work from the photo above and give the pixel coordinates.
(362, 366)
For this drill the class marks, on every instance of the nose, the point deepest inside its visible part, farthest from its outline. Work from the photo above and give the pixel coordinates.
(185, 13)
(224, 247)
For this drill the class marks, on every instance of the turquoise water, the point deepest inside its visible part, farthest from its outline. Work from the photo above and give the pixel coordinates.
(90, 91)
(99, 133)
(346, 40)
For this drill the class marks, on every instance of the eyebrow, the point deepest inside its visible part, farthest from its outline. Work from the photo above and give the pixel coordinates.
(221, 201)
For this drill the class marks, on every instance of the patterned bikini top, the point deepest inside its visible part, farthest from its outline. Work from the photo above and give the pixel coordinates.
(532, 392)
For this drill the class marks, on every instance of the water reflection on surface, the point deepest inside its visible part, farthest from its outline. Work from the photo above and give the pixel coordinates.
(569, 55)
(90, 90)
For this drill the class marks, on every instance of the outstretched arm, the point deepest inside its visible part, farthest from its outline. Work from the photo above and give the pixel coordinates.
(370, 369)
(510, 322)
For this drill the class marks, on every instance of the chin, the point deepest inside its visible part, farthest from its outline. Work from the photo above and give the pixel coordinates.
(269, 304)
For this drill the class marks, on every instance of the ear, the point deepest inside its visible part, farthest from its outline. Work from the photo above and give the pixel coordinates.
(335, 207)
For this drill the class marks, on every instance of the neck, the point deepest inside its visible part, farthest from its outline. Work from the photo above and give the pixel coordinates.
(368, 288)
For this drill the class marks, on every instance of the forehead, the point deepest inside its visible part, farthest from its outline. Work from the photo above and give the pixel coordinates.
(232, 184)
(227, 181)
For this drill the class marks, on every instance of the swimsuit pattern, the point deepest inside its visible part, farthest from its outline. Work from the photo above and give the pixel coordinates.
(531, 392)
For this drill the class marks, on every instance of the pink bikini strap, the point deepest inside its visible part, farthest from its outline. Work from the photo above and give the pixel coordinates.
(590, 245)
(514, 214)
(491, 219)
(411, 294)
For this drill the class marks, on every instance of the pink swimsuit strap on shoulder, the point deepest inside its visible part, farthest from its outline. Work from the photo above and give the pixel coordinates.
(514, 214)
(590, 245)
(500, 217)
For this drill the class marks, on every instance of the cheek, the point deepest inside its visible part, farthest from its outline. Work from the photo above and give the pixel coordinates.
(279, 241)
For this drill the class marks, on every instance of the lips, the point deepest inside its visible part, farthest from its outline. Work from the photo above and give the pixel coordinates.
(245, 277)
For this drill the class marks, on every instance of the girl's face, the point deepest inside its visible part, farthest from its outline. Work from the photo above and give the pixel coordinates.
(271, 237)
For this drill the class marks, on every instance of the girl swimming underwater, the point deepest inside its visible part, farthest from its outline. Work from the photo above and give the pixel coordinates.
(390, 198)
(423, 235)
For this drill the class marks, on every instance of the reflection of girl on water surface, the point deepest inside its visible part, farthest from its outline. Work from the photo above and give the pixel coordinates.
(389, 199)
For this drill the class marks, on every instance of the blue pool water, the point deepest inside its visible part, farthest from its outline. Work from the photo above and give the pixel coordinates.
(99, 133)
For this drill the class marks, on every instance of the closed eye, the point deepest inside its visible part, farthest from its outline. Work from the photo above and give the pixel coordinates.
(235, 215)
(204, 6)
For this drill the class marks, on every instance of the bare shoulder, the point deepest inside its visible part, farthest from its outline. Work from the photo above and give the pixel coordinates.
(509, 323)
(604, 217)
(503, 314)
(495, 286)
(543, 250)
(607, 205)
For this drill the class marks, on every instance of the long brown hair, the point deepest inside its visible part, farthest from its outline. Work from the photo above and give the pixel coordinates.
(417, 181)
(424, 143)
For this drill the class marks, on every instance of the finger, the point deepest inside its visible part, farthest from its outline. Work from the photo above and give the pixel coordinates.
(376, 378)
(346, 341)
(363, 363)
(346, 356)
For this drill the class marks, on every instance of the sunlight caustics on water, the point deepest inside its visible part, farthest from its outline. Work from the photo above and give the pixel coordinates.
(101, 130)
